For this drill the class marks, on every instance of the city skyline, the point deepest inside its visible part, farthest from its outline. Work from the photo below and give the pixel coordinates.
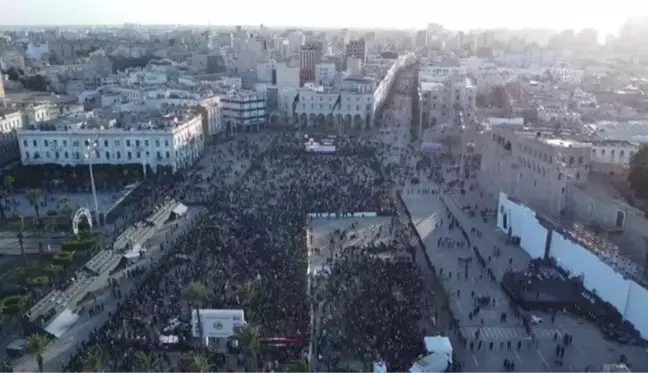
(551, 14)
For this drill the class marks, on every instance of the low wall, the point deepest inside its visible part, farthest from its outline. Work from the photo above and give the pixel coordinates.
(626, 295)
(329, 215)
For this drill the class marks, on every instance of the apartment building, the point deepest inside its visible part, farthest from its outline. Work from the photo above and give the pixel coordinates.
(533, 167)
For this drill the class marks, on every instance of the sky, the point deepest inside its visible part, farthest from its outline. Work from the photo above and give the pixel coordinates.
(604, 15)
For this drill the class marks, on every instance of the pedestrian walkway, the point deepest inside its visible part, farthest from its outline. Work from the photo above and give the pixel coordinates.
(501, 333)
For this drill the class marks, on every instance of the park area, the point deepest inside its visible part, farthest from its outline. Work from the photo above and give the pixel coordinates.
(26, 278)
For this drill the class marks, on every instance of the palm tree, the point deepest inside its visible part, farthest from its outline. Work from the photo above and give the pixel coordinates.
(195, 293)
(21, 242)
(197, 363)
(94, 359)
(249, 340)
(301, 366)
(34, 196)
(36, 344)
(147, 362)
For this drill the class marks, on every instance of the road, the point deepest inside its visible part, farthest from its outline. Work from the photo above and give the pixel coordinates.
(589, 347)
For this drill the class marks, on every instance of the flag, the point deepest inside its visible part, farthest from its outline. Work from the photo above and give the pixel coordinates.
(337, 103)
(295, 102)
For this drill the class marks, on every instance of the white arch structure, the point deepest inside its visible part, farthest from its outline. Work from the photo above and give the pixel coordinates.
(82, 212)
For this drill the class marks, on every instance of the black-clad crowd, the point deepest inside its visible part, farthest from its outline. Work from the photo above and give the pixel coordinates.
(252, 237)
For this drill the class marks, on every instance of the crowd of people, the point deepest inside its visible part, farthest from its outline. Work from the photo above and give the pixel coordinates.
(248, 251)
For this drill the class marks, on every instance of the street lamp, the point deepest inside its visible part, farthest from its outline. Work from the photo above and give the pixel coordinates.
(91, 151)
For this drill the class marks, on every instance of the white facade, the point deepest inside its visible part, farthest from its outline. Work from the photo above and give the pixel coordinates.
(613, 152)
(287, 76)
(265, 71)
(325, 73)
(243, 111)
(438, 100)
(177, 146)
(318, 107)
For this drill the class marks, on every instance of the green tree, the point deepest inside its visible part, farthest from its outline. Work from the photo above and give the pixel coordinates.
(197, 363)
(35, 196)
(301, 366)
(249, 337)
(638, 175)
(195, 293)
(36, 344)
(94, 359)
(65, 207)
(147, 362)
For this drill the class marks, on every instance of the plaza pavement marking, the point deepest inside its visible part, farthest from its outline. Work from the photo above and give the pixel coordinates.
(496, 333)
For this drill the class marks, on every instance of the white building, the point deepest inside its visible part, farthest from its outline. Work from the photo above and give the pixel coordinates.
(243, 111)
(350, 106)
(609, 154)
(325, 73)
(438, 100)
(287, 76)
(158, 141)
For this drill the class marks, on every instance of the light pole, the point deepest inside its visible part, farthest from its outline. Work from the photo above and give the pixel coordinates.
(90, 152)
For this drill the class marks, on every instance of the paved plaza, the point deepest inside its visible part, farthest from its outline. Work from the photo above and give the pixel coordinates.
(53, 202)
(589, 347)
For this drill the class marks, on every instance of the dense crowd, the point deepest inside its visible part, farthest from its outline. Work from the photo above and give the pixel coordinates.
(248, 251)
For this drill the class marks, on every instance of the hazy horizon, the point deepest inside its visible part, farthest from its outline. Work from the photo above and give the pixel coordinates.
(361, 14)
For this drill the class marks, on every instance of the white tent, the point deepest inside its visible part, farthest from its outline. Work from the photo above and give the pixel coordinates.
(62, 323)
(180, 210)
(438, 345)
(380, 367)
(431, 363)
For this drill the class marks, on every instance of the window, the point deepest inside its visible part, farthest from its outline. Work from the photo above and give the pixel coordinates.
(64, 142)
(118, 155)
(139, 155)
(57, 155)
(87, 143)
(580, 160)
(66, 155)
(157, 143)
(127, 142)
(129, 155)
(107, 155)
(146, 143)
(25, 143)
(602, 151)
(137, 143)
(27, 155)
(159, 155)
(168, 155)
(571, 161)
(578, 176)
(560, 176)
(34, 142)
(166, 143)
(621, 153)
(116, 142)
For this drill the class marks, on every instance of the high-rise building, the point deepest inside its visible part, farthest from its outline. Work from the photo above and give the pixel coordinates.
(2, 94)
(357, 49)
(309, 56)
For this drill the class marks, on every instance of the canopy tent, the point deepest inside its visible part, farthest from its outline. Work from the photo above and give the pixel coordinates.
(431, 363)
(439, 345)
(180, 210)
(380, 367)
(62, 323)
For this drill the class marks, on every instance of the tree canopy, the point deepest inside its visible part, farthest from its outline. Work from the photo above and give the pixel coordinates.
(638, 175)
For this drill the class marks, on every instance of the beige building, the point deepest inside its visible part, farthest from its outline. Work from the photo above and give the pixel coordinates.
(533, 167)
